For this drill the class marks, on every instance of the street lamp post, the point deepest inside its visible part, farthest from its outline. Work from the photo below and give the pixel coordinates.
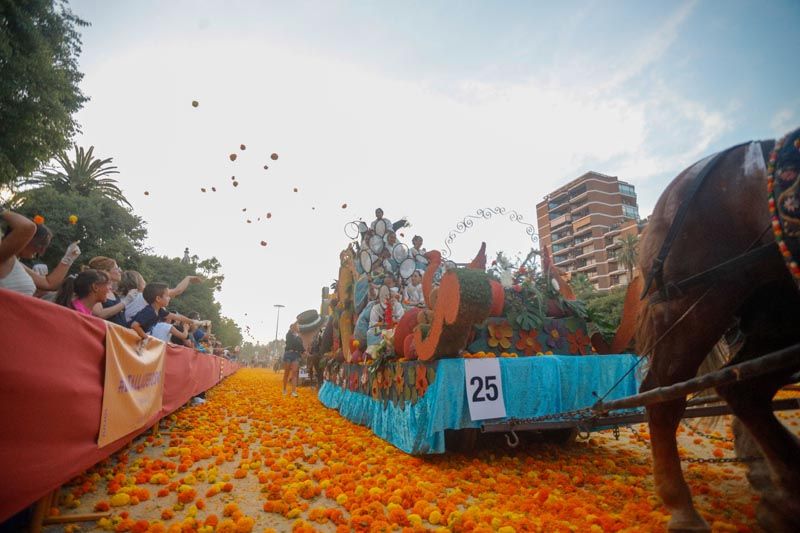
(277, 323)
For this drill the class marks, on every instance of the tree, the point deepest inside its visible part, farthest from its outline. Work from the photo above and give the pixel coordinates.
(582, 286)
(629, 253)
(85, 175)
(103, 226)
(228, 332)
(39, 77)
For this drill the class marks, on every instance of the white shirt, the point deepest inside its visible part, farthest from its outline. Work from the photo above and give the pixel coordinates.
(135, 306)
(378, 313)
(161, 331)
(18, 280)
(414, 295)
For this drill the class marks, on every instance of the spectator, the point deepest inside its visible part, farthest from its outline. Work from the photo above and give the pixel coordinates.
(291, 358)
(132, 281)
(83, 291)
(113, 308)
(25, 240)
(157, 297)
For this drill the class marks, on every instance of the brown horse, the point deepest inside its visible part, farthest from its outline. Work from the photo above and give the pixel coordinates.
(676, 328)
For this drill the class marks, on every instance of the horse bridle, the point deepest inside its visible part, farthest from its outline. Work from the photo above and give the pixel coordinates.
(667, 291)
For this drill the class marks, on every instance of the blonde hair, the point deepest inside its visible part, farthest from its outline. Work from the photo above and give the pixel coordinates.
(130, 280)
(102, 263)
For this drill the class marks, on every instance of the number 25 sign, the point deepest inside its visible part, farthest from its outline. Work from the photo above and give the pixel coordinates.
(484, 389)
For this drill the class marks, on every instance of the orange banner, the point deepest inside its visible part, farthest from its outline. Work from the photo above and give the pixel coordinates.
(134, 383)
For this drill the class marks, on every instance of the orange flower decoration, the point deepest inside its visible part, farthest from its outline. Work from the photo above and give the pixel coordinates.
(422, 379)
(579, 342)
(399, 379)
(38, 219)
(500, 335)
(528, 342)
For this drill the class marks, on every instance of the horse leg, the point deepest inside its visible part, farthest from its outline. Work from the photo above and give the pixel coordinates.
(663, 419)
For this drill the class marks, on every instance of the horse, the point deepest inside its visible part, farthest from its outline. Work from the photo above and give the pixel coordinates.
(720, 208)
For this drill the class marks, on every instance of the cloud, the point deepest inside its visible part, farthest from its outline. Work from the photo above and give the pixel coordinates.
(785, 120)
(348, 135)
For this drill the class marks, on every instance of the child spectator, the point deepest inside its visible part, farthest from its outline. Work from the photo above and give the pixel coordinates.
(83, 291)
(132, 284)
(157, 297)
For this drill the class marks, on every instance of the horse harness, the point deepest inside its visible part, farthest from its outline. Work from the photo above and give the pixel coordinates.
(669, 290)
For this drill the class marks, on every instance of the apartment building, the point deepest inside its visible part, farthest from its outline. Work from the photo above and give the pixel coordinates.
(581, 225)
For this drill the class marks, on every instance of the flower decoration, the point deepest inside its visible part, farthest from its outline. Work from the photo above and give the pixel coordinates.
(579, 342)
(399, 379)
(421, 383)
(528, 342)
(73, 219)
(500, 335)
(556, 334)
(38, 219)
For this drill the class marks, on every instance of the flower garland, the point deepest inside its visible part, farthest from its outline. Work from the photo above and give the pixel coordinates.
(777, 225)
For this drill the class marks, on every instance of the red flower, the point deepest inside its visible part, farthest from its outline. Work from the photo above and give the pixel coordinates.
(579, 342)
(528, 342)
(422, 380)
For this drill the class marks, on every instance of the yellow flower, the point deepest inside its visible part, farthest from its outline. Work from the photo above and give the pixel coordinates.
(500, 334)
(73, 219)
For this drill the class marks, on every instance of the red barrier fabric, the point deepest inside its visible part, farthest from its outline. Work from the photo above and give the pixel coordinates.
(51, 392)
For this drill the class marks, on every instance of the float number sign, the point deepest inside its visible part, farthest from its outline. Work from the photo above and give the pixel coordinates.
(484, 389)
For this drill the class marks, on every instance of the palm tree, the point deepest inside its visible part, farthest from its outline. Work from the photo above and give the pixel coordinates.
(83, 176)
(629, 253)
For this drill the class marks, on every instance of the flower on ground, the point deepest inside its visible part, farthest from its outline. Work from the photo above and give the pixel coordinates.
(500, 335)
(528, 342)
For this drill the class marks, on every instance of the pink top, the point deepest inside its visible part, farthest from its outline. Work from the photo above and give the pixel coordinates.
(79, 307)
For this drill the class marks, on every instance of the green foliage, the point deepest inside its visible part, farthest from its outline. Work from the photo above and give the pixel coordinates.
(629, 253)
(581, 285)
(85, 175)
(228, 332)
(103, 228)
(603, 308)
(39, 78)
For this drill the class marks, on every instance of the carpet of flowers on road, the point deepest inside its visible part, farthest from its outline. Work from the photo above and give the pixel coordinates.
(251, 459)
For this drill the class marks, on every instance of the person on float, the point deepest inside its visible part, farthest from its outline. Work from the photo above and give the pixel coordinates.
(413, 294)
(25, 240)
(291, 358)
(133, 282)
(377, 316)
(81, 292)
(379, 216)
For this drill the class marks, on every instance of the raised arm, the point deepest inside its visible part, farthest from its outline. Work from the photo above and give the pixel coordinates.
(23, 231)
(53, 280)
(183, 285)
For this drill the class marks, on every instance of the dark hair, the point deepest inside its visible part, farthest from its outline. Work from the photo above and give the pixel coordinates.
(154, 290)
(194, 315)
(79, 286)
(42, 235)
(415, 237)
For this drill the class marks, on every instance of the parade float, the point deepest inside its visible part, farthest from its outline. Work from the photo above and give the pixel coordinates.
(484, 345)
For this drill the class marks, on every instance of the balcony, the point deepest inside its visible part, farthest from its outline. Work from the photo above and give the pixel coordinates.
(560, 221)
(561, 237)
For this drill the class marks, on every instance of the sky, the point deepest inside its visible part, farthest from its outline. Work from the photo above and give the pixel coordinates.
(430, 110)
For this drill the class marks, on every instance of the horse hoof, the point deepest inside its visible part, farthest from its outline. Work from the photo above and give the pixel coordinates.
(689, 521)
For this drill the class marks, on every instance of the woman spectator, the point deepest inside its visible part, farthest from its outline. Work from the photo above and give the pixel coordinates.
(291, 358)
(84, 291)
(26, 240)
(113, 308)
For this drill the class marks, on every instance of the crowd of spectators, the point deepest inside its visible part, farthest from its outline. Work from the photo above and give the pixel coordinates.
(100, 288)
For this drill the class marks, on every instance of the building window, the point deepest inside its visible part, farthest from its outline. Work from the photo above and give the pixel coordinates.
(559, 247)
(630, 211)
(627, 190)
